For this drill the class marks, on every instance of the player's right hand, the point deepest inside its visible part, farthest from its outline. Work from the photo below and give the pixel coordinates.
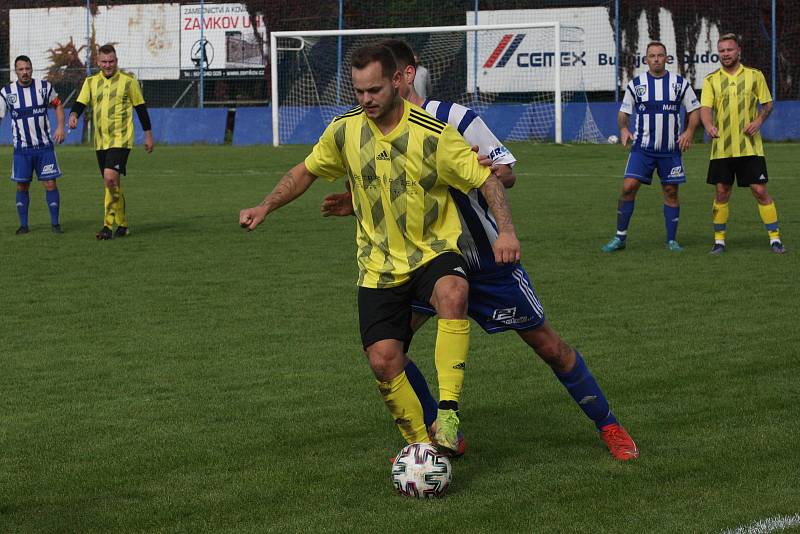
(250, 218)
(712, 132)
(337, 205)
(625, 135)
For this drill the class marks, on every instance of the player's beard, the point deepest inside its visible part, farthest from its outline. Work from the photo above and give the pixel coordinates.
(730, 62)
(385, 111)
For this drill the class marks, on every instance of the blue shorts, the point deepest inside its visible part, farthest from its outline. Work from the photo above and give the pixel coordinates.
(642, 164)
(502, 303)
(43, 161)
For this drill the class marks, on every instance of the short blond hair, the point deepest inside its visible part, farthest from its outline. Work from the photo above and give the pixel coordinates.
(730, 37)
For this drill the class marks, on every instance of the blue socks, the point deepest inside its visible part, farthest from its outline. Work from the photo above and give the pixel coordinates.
(420, 385)
(582, 386)
(23, 201)
(53, 199)
(671, 216)
(624, 214)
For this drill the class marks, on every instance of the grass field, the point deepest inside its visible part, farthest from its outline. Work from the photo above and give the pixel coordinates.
(197, 378)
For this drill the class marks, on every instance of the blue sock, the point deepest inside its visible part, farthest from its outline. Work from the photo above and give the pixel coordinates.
(53, 199)
(624, 214)
(584, 389)
(420, 385)
(671, 216)
(23, 200)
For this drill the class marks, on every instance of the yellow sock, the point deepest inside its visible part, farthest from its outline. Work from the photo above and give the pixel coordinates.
(769, 215)
(720, 213)
(452, 344)
(403, 403)
(110, 203)
(119, 213)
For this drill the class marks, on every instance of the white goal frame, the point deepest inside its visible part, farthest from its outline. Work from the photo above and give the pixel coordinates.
(273, 57)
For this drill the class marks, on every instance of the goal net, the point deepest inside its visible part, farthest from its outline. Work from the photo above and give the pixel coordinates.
(508, 73)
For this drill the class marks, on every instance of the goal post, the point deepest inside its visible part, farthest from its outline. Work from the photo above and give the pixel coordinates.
(317, 80)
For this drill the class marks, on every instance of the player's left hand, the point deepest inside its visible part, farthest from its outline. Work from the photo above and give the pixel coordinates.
(506, 248)
(684, 141)
(751, 129)
(58, 136)
(148, 141)
(337, 205)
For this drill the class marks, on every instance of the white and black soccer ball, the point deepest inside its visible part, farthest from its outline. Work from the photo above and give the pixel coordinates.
(419, 470)
(613, 139)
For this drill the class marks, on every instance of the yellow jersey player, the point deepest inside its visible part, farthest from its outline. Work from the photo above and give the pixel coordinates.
(113, 95)
(734, 93)
(400, 163)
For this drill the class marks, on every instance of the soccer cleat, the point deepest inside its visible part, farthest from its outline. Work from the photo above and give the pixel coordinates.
(445, 435)
(674, 246)
(57, 229)
(777, 247)
(104, 234)
(22, 230)
(613, 245)
(121, 231)
(718, 249)
(619, 443)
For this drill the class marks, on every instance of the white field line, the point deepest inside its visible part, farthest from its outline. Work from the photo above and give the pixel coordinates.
(765, 526)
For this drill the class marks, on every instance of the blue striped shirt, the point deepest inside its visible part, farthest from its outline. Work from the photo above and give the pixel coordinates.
(27, 106)
(657, 103)
(479, 228)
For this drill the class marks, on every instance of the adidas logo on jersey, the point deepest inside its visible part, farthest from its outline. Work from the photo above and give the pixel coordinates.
(460, 270)
(383, 156)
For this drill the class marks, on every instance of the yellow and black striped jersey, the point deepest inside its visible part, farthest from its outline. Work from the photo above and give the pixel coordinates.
(112, 101)
(734, 99)
(399, 183)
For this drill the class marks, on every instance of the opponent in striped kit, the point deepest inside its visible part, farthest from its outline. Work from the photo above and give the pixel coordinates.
(656, 97)
(26, 101)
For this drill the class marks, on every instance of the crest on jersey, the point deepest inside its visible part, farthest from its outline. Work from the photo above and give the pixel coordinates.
(43, 92)
(12, 99)
(641, 90)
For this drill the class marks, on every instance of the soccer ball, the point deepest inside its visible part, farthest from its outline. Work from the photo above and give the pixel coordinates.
(420, 471)
(613, 139)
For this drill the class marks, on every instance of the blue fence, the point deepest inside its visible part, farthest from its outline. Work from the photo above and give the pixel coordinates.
(253, 125)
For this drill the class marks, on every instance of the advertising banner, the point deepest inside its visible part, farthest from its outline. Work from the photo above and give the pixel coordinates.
(523, 60)
(146, 37)
(231, 43)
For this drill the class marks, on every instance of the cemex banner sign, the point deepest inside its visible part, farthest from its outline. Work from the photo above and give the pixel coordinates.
(225, 41)
(515, 61)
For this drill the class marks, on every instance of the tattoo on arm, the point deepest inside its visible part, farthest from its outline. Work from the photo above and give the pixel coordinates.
(765, 111)
(284, 192)
(495, 195)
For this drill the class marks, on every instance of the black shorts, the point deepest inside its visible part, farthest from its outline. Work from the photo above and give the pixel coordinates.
(748, 170)
(386, 313)
(114, 158)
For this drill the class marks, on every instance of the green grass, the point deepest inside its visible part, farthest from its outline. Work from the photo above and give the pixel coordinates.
(197, 378)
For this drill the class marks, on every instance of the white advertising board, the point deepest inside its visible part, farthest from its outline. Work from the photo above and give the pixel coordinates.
(228, 35)
(522, 61)
(147, 37)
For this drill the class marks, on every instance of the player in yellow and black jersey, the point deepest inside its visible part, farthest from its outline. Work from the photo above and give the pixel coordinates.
(734, 93)
(113, 96)
(400, 162)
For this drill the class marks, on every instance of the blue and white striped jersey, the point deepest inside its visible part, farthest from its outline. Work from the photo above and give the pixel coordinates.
(657, 103)
(28, 109)
(479, 228)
